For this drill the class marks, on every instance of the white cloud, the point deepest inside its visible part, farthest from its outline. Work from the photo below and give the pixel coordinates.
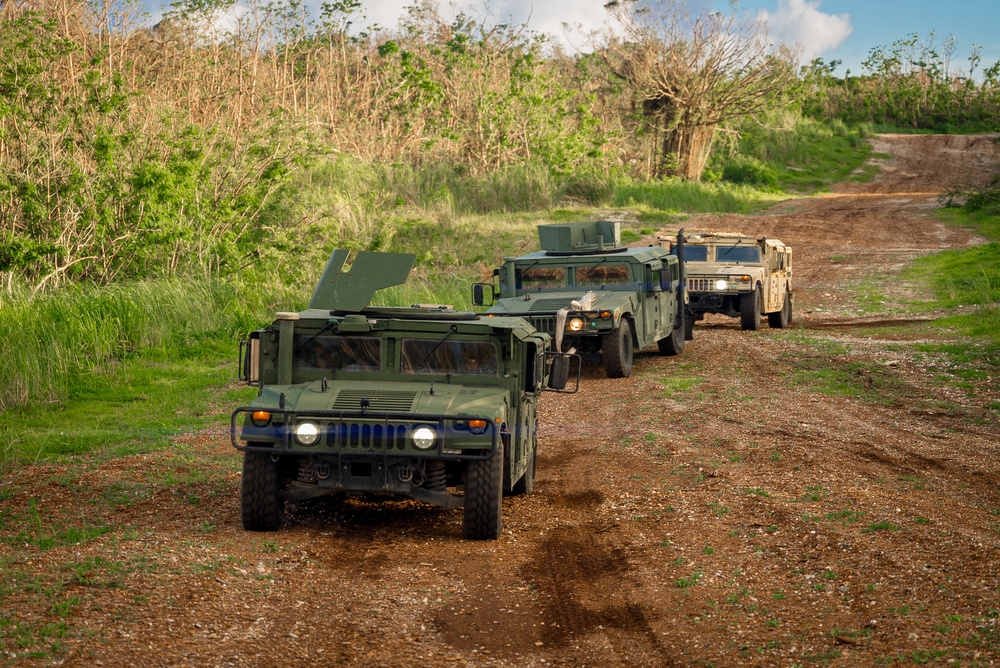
(801, 23)
(565, 21)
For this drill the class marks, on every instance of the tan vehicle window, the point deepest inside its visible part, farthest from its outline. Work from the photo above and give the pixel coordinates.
(603, 274)
(694, 253)
(466, 358)
(337, 353)
(737, 254)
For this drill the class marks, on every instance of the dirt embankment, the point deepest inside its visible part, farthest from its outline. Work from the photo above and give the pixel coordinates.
(716, 508)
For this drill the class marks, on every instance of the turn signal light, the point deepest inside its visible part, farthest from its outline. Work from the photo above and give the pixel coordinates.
(477, 426)
(260, 418)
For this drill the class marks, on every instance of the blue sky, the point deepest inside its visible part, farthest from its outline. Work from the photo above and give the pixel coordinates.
(844, 30)
(820, 24)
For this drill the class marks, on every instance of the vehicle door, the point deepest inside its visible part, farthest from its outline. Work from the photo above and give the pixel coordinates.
(655, 302)
(772, 262)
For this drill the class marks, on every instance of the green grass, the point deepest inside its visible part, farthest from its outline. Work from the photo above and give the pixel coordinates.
(147, 401)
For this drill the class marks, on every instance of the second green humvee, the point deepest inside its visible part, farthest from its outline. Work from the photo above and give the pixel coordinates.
(593, 295)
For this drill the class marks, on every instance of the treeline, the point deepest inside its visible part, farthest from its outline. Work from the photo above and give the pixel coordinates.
(189, 149)
(914, 83)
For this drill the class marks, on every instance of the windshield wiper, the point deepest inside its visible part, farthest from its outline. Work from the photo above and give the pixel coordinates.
(309, 338)
(591, 270)
(451, 330)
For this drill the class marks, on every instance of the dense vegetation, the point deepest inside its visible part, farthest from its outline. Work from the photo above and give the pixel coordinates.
(170, 185)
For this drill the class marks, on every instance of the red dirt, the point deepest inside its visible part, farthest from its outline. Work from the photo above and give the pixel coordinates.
(713, 509)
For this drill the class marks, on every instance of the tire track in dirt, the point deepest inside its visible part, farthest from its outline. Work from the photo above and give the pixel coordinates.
(583, 577)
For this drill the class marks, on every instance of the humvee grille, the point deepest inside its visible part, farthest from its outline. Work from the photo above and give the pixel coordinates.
(543, 324)
(701, 284)
(551, 305)
(378, 400)
(367, 436)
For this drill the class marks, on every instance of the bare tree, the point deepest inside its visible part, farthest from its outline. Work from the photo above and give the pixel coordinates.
(689, 74)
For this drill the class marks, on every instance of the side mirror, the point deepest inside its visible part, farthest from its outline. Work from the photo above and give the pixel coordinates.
(561, 366)
(250, 359)
(479, 292)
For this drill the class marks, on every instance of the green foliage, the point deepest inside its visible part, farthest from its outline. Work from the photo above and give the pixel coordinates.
(793, 153)
(912, 84)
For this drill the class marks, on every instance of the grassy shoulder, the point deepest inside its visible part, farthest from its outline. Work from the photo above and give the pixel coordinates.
(967, 281)
(136, 406)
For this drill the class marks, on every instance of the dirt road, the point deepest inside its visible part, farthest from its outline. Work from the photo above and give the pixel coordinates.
(823, 495)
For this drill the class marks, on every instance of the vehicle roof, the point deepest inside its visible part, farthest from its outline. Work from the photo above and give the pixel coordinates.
(428, 320)
(638, 254)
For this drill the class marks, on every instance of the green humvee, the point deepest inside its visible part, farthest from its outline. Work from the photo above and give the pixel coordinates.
(595, 296)
(423, 402)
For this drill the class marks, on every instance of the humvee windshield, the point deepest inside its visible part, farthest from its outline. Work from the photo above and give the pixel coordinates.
(476, 358)
(693, 253)
(337, 353)
(541, 277)
(737, 254)
(603, 274)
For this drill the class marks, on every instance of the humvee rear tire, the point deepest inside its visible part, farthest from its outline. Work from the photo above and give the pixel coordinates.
(618, 351)
(673, 344)
(483, 517)
(750, 310)
(780, 319)
(261, 505)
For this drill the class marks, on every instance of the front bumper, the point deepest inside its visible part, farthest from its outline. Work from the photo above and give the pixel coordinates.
(364, 433)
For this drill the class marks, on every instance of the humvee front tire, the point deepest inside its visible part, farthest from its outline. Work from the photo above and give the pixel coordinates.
(618, 351)
(781, 319)
(674, 343)
(483, 515)
(750, 310)
(261, 505)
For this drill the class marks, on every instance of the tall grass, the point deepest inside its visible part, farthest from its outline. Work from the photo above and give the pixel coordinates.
(48, 340)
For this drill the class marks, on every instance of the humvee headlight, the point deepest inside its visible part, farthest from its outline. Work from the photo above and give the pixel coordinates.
(307, 433)
(424, 437)
(721, 284)
(260, 418)
(575, 325)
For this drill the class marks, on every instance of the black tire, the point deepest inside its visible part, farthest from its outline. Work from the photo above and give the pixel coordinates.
(526, 485)
(779, 320)
(261, 505)
(618, 351)
(483, 517)
(673, 344)
(750, 310)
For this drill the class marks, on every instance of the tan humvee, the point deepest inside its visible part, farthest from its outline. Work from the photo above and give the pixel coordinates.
(738, 275)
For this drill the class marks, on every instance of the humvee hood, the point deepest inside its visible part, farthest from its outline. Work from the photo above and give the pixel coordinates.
(416, 397)
(695, 270)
